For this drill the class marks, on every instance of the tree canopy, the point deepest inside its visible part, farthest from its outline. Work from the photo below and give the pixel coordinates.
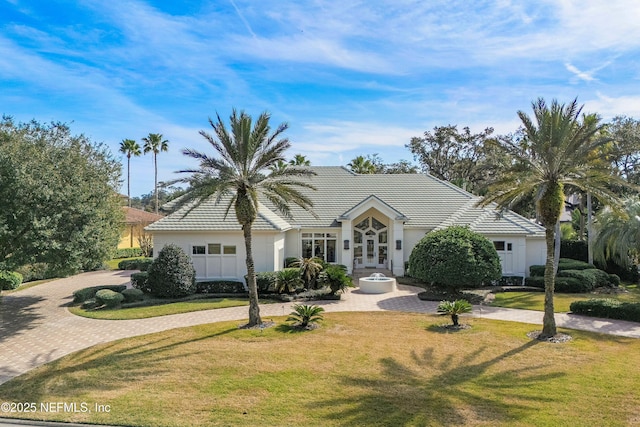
(59, 200)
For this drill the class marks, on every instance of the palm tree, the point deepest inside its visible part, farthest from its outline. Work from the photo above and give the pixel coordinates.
(362, 165)
(618, 234)
(131, 148)
(155, 144)
(554, 152)
(304, 315)
(242, 172)
(300, 160)
(454, 309)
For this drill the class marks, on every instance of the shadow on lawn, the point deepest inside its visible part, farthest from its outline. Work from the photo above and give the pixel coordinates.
(455, 394)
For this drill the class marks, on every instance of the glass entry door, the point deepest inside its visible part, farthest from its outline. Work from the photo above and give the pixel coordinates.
(370, 243)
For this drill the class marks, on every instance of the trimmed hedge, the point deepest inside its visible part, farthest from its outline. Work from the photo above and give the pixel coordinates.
(509, 281)
(84, 294)
(128, 253)
(10, 280)
(569, 285)
(220, 287)
(139, 281)
(109, 298)
(585, 276)
(172, 274)
(132, 295)
(265, 282)
(607, 308)
(141, 264)
(563, 264)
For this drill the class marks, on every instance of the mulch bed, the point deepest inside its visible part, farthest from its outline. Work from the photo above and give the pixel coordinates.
(556, 339)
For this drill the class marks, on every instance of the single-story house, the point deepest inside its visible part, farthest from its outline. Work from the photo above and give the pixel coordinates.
(361, 221)
(135, 222)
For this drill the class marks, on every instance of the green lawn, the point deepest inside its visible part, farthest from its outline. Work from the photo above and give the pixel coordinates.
(535, 300)
(358, 369)
(162, 309)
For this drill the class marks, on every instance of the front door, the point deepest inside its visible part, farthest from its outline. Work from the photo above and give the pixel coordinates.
(370, 243)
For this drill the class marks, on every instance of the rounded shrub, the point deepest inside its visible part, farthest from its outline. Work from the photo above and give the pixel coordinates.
(172, 274)
(132, 295)
(109, 298)
(140, 280)
(455, 257)
(10, 280)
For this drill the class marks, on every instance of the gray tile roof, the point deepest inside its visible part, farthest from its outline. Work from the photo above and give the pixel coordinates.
(425, 201)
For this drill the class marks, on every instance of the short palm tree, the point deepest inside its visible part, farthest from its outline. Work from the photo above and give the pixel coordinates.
(131, 148)
(454, 309)
(240, 172)
(304, 315)
(309, 270)
(153, 143)
(287, 280)
(618, 234)
(362, 165)
(556, 151)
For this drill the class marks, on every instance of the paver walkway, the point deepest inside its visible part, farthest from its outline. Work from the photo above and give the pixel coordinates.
(36, 327)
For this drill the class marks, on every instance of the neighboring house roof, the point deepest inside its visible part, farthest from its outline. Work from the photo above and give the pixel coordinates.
(420, 200)
(137, 216)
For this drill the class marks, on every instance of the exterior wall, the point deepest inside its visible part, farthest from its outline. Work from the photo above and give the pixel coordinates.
(267, 249)
(513, 261)
(411, 237)
(129, 235)
(536, 252)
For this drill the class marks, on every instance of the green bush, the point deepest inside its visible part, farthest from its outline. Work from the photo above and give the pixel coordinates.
(510, 281)
(132, 295)
(220, 287)
(288, 280)
(536, 270)
(563, 264)
(336, 278)
(141, 264)
(84, 294)
(587, 277)
(534, 281)
(265, 282)
(455, 257)
(608, 308)
(290, 261)
(109, 298)
(172, 274)
(139, 281)
(574, 249)
(614, 279)
(568, 285)
(10, 280)
(128, 253)
(35, 271)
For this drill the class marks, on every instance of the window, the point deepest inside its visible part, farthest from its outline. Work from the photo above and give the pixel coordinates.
(198, 250)
(509, 246)
(229, 250)
(499, 245)
(214, 248)
(321, 245)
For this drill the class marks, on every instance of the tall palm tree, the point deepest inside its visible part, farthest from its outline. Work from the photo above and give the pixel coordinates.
(300, 160)
(362, 165)
(554, 152)
(131, 148)
(242, 170)
(155, 144)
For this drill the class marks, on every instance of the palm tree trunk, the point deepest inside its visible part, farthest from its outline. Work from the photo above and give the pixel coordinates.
(454, 319)
(557, 242)
(549, 320)
(155, 166)
(254, 308)
(589, 229)
(129, 179)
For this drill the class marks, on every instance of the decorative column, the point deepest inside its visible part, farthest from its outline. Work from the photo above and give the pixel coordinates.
(346, 244)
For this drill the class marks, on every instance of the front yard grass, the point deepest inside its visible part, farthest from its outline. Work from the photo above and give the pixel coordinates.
(162, 309)
(357, 369)
(535, 300)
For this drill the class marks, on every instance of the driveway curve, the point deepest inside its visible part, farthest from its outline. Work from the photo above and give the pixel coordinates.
(36, 327)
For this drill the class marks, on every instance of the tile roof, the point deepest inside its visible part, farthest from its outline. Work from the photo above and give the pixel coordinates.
(425, 202)
(137, 216)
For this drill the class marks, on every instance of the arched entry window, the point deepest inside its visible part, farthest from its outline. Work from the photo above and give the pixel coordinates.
(370, 238)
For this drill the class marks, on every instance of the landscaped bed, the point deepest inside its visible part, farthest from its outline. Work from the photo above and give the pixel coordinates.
(373, 369)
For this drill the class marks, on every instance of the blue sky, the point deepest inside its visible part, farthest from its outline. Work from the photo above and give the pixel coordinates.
(350, 77)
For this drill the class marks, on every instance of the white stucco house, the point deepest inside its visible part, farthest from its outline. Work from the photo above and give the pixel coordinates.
(362, 221)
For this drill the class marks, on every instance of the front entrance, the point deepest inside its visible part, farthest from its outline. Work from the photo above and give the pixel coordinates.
(370, 238)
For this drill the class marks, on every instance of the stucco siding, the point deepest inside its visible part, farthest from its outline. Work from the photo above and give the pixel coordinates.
(536, 252)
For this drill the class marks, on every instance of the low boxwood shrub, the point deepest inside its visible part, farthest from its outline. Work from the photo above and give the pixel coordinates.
(10, 280)
(608, 308)
(586, 276)
(510, 281)
(172, 274)
(109, 298)
(568, 285)
(614, 279)
(141, 264)
(265, 282)
(128, 253)
(35, 271)
(139, 281)
(534, 281)
(563, 264)
(84, 294)
(132, 295)
(220, 287)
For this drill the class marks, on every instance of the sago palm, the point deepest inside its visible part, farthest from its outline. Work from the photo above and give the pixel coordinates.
(304, 315)
(454, 309)
(131, 148)
(153, 143)
(240, 171)
(556, 151)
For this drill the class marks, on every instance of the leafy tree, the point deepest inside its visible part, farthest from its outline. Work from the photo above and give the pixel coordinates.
(556, 150)
(451, 155)
(153, 143)
(403, 166)
(131, 148)
(455, 258)
(165, 194)
(305, 315)
(361, 165)
(454, 309)
(625, 152)
(60, 204)
(299, 160)
(171, 274)
(242, 171)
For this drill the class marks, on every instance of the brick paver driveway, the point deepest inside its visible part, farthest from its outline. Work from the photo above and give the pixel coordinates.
(36, 327)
